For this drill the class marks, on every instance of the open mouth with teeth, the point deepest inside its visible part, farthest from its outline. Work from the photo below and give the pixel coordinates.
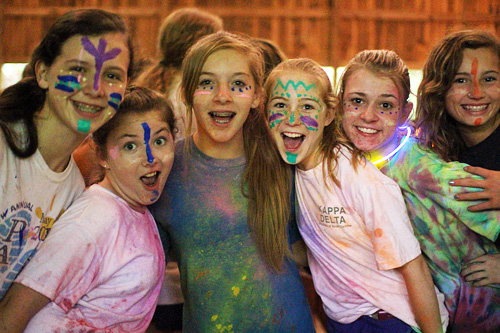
(475, 108)
(86, 108)
(150, 179)
(292, 141)
(367, 130)
(222, 117)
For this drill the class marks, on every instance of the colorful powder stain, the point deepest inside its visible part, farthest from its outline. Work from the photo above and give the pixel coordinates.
(378, 232)
(291, 157)
(478, 121)
(100, 56)
(147, 136)
(115, 101)
(83, 125)
(68, 83)
(113, 152)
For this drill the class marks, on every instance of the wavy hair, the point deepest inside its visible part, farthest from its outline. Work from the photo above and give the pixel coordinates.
(20, 102)
(438, 130)
(266, 180)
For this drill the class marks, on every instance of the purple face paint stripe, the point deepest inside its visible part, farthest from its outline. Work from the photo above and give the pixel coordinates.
(275, 116)
(100, 56)
(309, 121)
(147, 136)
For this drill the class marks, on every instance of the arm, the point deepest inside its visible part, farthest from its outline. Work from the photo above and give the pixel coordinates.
(423, 297)
(490, 186)
(482, 271)
(19, 306)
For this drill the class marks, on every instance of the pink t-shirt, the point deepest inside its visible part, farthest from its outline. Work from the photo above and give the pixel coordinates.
(102, 266)
(356, 236)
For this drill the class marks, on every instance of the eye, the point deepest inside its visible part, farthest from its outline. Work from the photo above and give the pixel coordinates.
(129, 146)
(386, 105)
(239, 83)
(460, 80)
(490, 79)
(279, 105)
(78, 69)
(308, 107)
(160, 141)
(205, 82)
(356, 100)
(114, 76)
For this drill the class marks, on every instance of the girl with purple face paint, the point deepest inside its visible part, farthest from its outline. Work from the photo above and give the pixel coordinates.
(109, 274)
(377, 81)
(365, 262)
(81, 68)
(226, 206)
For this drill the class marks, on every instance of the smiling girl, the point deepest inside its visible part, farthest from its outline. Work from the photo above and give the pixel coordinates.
(375, 84)
(365, 262)
(226, 206)
(106, 259)
(81, 71)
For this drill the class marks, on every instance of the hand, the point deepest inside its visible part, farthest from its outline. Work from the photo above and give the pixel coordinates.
(482, 271)
(490, 186)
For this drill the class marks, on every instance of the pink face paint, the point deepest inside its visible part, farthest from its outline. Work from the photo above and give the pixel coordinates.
(473, 72)
(113, 152)
(202, 92)
(100, 55)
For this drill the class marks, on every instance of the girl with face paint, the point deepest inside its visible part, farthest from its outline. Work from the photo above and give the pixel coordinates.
(227, 203)
(106, 259)
(365, 262)
(449, 234)
(80, 71)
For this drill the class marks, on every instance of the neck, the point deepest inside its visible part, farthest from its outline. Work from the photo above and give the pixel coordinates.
(56, 142)
(230, 149)
(473, 135)
(381, 156)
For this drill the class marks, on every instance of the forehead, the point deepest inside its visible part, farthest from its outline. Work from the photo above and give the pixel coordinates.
(227, 61)
(73, 46)
(369, 83)
(486, 57)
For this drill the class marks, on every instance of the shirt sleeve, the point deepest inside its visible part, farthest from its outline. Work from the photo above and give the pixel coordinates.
(427, 177)
(65, 266)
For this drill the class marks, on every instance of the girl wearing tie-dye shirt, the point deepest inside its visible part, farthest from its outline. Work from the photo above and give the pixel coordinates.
(449, 234)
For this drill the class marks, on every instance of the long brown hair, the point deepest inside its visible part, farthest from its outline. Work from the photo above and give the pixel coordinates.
(266, 179)
(438, 130)
(333, 134)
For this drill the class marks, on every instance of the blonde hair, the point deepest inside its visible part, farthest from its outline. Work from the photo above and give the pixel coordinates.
(266, 180)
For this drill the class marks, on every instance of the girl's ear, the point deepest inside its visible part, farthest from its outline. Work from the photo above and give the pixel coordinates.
(41, 72)
(331, 113)
(257, 98)
(406, 113)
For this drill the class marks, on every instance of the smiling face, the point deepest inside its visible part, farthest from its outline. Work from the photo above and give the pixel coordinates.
(140, 154)
(372, 111)
(473, 100)
(297, 117)
(86, 82)
(222, 100)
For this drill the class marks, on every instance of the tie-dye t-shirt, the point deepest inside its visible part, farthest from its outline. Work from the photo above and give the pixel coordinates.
(448, 233)
(226, 283)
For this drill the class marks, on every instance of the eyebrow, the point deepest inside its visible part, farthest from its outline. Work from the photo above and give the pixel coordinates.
(364, 95)
(234, 74)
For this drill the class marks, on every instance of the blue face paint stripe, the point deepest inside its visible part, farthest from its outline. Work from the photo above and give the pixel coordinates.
(68, 83)
(147, 136)
(115, 101)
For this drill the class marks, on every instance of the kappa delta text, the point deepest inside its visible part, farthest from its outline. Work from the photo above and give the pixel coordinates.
(332, 217)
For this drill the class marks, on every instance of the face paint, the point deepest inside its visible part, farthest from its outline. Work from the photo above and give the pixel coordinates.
(242, 92)
(156, 195)
(478, 121)
(113, 152)
(83, 125)
(275, 119)
(68, 83)
(310, 123)
(473, 72)
(291, 157)
(204, 91)
(100, 55)
(115, 101)
(147, 136)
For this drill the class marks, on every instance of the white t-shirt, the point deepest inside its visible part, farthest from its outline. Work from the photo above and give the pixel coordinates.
(102, 266)
(32, 197)
(356, 236)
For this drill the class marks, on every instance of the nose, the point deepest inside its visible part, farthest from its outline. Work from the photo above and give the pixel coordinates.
(369, 114)
(223, 94)
(475, 91)
(94, 87)
(293, 117)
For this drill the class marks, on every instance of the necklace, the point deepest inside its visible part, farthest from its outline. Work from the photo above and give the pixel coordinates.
(398, 148)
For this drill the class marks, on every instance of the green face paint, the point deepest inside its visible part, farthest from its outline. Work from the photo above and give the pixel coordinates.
(291, 157)
(83, 125)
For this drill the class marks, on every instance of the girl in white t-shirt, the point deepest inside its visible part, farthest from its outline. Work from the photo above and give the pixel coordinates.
(366, 263)
(73, 84)
(106, 259)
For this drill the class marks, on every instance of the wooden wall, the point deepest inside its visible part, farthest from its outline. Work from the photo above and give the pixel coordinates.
(329, 31)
